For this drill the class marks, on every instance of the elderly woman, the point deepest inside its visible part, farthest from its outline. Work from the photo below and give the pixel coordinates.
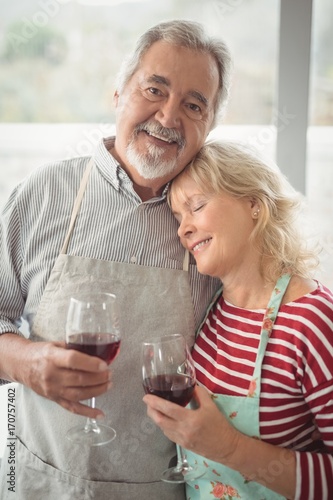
(264, 353)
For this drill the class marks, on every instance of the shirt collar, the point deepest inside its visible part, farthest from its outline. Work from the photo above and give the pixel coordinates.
(106, 163)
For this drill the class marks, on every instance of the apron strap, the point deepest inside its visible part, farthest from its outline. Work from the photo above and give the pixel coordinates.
(214, 300)
(266, 330)
(76, 207)
(186, 261)
(77, 204)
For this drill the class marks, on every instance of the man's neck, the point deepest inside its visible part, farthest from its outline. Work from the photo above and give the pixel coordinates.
(146, 193)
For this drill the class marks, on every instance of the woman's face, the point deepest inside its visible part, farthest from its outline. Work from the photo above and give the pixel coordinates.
(214, 228)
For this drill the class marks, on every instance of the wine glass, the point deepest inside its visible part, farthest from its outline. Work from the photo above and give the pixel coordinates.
(168, 372)
(92, 327)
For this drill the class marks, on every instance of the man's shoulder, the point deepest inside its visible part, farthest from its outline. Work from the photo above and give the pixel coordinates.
(68, 166)
(50, 179)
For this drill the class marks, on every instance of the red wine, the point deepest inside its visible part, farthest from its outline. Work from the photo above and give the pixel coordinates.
(105, 346)
(176, 388)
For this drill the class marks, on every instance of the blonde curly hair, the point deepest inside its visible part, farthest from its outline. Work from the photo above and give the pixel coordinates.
(236, 169)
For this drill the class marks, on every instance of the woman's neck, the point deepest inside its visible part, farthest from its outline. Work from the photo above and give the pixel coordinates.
(248, 292)
(253, 291)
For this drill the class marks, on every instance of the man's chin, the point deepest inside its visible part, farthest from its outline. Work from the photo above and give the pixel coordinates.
(150, 166)
(153, 173)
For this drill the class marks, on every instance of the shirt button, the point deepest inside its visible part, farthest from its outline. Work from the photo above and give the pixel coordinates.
(133, 259)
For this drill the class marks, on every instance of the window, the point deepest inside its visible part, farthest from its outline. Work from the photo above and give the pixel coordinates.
(59, 60)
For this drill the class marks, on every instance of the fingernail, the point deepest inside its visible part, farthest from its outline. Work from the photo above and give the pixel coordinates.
(109, 385)
(100, 417)
(102, 366)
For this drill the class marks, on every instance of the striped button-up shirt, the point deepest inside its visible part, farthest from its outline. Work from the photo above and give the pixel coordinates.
(113, 224)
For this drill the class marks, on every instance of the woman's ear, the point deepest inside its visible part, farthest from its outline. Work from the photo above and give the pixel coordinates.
(255, 208)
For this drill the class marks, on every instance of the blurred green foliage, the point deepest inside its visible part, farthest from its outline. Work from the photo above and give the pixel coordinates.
(59, 59)
(24, 40)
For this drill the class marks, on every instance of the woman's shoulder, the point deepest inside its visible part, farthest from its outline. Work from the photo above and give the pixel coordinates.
(300, 287)
(307, 322)
(305, 294)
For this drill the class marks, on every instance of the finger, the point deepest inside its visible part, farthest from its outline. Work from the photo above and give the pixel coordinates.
(70, 358)
(201, 396)
(76, 378)
(316, 436)
(60, 344)
(160, 419)
(81, 409)
(171, 428)
(82, 393)
(167, 408)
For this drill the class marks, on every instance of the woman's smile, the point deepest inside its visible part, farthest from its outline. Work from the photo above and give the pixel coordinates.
(198, 247)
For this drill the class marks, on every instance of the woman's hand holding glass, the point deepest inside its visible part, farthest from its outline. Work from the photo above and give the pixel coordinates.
(203, 430)
(168, 372)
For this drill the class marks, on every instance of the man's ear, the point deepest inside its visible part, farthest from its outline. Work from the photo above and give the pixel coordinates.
(116, 98)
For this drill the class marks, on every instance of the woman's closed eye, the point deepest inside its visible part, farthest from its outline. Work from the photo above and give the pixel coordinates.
(198, 207)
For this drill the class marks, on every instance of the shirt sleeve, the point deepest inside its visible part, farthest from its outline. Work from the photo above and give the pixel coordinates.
(314, 470)
(11, 299)
(314, 476)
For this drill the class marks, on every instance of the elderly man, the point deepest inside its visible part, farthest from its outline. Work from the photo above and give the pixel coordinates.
(103, 223)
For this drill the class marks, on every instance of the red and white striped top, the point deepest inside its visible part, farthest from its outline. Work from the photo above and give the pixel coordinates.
(296, 383)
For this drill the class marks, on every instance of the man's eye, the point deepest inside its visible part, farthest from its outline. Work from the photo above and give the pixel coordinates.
(194, 108)
(154, 91)
(193, 111)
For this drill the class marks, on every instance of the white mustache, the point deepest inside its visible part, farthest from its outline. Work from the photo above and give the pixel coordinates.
(169, 134)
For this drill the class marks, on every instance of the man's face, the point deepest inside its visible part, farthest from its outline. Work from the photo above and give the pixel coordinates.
(165, 112)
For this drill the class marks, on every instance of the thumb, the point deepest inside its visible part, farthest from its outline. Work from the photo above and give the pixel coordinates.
(201, 396)
(60, 344)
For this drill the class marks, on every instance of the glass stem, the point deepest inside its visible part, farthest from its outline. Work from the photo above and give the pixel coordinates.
(91, 424)
(182, 463)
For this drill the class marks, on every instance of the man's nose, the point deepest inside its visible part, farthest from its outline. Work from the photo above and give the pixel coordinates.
(169, 113)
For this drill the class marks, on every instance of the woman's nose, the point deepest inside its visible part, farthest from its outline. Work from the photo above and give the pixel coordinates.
(185, 229)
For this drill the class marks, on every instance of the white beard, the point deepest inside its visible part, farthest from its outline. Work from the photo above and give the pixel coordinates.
(149, 165)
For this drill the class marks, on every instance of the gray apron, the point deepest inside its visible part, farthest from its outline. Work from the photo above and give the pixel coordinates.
(49, 466)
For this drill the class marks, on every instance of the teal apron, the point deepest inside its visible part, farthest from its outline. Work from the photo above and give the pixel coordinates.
(243, 413)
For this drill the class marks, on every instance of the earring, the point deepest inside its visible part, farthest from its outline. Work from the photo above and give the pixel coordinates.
(256, 213)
